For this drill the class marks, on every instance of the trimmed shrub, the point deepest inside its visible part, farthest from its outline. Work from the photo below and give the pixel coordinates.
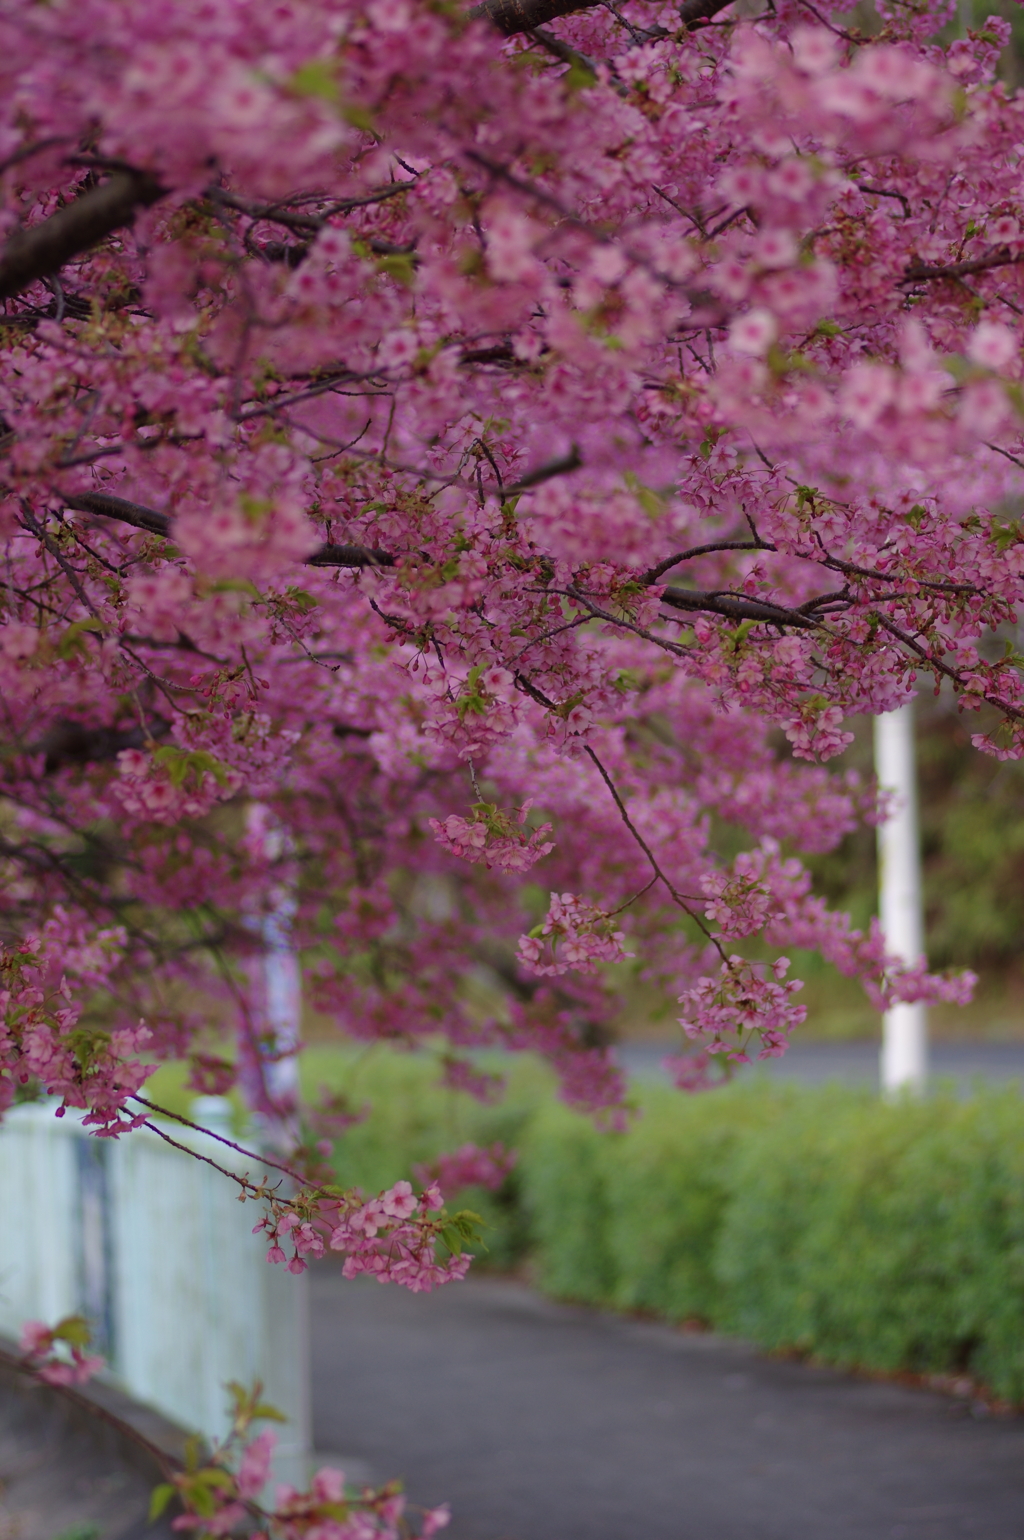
(884, 1236)
(563, 1170)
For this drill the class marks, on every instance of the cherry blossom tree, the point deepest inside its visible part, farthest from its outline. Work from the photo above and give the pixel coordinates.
(457, 457)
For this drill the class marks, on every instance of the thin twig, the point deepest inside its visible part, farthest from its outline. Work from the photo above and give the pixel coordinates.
(263, 1160)
(654, 573)
(677, 897)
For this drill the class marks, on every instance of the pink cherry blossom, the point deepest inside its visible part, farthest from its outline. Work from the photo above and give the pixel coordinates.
(993, 345)
(755, 331)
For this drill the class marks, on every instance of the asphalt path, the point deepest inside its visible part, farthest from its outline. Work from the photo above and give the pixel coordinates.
(541, 1421)
(962, 1064)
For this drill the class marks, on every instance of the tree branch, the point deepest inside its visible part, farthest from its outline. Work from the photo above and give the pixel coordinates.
(140, 517)
(695, 11)
(515, 16)
(331, 555)
(42, 250)
(165, 1463)
(654, 573)
(512, 16)
(68, 742)
(560, 467)
(349, 556)
(119, 508)
(961, 269)
(735, 608)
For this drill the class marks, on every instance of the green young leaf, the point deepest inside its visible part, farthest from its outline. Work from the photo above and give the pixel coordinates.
(74, 1330)
(468, 1227)
(73, 639)
(315, 78)
(301, 599)
(159, 1500)
(742, 631)
(452, 1239)
(178, 763)
(578, 77)
(400, 267)
(358, 117)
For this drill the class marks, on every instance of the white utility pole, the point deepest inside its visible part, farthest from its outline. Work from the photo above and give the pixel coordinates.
(904, 1064)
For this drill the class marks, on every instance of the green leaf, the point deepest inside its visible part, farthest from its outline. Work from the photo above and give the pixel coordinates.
(72, 640)
(74, 1330)
(236, 585)
(301, 599)
(358, 117)
(315, 78)
(468, 1228)
(212, 1479)
(452, 1239)
(400, 267)
(178, 763)
(159, 1500)
(579, 76)
(742, 631)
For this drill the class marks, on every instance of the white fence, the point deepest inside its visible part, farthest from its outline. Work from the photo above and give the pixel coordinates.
(155, 1248)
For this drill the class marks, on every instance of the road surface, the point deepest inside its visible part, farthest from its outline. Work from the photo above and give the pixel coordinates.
(541, 1421)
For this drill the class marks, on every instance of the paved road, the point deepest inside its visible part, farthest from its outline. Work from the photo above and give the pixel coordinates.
(857, 1063)
(541, 1421)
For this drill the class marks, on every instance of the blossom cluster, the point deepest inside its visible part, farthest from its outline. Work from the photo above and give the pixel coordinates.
(57, 1354)
(441, 423)
(493, 837)
(468, 1166)
(168, 787)
(555, 423)
(746, 1000)
(227, 1494)
(42, 1037)
(392, 1237)
(578, 936)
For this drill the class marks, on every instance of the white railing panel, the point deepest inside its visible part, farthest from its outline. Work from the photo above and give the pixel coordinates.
(170, 1271)
(38, 1223)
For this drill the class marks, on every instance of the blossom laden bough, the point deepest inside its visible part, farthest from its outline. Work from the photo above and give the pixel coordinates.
(476, 445)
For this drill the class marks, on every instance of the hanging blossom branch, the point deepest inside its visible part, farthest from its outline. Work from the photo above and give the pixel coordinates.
(708, 327)
(394, 1236)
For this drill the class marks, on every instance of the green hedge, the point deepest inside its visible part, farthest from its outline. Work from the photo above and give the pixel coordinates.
(889, 1237)
(822, 1220)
